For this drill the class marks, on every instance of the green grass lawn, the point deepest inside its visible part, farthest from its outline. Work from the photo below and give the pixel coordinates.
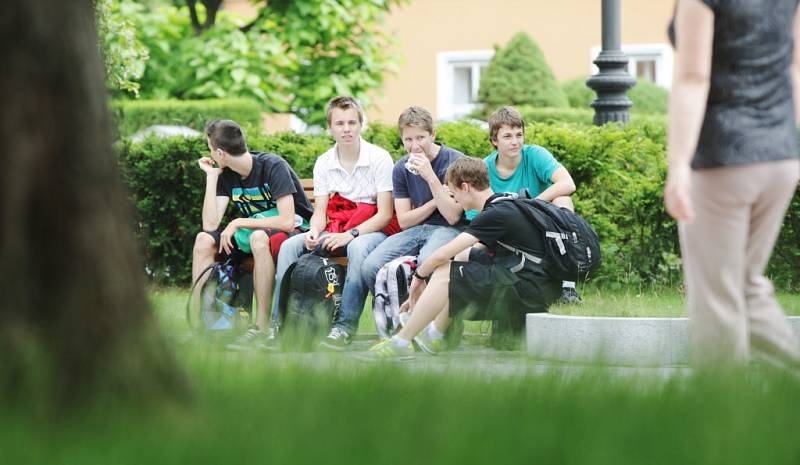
(170, 302)
(645, 303)
(331, 409)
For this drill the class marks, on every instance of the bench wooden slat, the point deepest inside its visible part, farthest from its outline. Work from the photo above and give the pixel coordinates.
(308, 188)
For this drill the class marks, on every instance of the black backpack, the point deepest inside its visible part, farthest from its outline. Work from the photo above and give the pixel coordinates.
(310, 298)
(572, 248)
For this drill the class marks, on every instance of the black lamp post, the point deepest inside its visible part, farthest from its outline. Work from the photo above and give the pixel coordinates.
(612, 81)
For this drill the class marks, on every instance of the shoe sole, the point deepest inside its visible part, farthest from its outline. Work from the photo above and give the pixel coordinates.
(335, 348)
(365, 357)
(268, 348)
(422, 346)
(239, 348)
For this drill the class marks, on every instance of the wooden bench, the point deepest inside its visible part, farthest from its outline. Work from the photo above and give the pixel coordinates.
(308, 187)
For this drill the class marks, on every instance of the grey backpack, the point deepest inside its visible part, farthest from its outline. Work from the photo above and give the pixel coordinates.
(391, 290)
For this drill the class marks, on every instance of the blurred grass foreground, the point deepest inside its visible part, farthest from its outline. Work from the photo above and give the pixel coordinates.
(482, 408)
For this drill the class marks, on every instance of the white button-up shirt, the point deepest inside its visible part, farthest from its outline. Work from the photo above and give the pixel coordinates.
(372, 174)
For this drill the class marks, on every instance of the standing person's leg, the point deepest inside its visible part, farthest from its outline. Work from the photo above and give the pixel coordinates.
(712, 249)
(354, 292)
(770, 332)
(291, 250)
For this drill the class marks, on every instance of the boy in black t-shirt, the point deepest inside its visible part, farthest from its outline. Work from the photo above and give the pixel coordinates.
(271, 205)
(488, 281)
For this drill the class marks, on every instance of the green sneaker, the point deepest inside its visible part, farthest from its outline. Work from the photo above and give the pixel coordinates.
(427, 344)
(388, 350)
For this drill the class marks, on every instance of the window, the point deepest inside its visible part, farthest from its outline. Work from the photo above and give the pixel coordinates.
(652, 62)
(458, 77)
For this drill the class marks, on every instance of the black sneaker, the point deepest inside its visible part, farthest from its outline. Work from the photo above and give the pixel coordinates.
(247, 341)
(569, 296)
(337, 339)
(269, 342)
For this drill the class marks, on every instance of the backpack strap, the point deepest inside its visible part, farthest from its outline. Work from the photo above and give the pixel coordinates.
(191, 293)
(523, 256)
(284, 292)
(558, 237)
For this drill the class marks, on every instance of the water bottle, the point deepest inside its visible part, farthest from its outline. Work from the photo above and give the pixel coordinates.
(227, 319)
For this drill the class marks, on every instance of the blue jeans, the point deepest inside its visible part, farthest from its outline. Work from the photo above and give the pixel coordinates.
(420, 240)
(357, 251)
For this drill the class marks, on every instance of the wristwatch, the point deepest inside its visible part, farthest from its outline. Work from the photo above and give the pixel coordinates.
(354, 232)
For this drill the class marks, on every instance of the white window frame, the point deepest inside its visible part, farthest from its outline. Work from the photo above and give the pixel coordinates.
(662, 53)
(445, 80)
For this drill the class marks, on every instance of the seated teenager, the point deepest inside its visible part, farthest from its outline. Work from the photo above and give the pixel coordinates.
(489, 282)
(269, 201)
(516, 165)
(352, 171)
(425, 211)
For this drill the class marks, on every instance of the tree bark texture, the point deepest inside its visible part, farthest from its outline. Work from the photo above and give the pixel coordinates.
(74, 317)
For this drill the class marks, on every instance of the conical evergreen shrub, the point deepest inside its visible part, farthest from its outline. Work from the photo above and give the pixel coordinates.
(519, 75)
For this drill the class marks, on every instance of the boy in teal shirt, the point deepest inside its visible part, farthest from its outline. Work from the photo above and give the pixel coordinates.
(515, 166)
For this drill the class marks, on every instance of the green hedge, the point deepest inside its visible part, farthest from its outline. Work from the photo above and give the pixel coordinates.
(619, 174)
(131, 116)
(581, 116)
(646, 96)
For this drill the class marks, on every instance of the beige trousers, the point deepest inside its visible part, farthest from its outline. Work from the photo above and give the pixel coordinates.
(731, 304)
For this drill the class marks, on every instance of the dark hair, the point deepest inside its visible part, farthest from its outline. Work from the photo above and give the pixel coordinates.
(226, 135)
(505, 116)
(344, 102)
(470, 170)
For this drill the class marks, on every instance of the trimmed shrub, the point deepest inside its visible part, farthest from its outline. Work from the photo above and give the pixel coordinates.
(646, 96)
(584, 117)
(649, 98)
(578, 94)
(619, 173)
(519, 75)
(131, 116)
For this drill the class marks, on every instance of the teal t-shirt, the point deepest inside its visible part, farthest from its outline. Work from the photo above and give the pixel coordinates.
(535, 171)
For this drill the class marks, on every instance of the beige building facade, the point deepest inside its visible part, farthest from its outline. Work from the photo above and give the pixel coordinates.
(443, 45)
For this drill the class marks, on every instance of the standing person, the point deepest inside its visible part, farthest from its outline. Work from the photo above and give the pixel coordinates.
(733, 169)
(515, 165)
(269, 200)
(358, 172)
(497, 283)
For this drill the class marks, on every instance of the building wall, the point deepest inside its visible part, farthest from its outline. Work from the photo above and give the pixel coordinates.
(565, 30)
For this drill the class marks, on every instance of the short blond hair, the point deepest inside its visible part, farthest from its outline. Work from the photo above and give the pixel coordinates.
(505, 116)
(416, 117)
(470, 170)
(344, 102)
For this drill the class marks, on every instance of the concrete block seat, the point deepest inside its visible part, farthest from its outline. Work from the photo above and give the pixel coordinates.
(612, 340)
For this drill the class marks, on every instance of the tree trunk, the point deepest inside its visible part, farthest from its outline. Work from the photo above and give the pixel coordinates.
(75, 321)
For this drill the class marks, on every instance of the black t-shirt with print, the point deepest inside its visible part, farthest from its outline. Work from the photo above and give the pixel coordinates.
(270, 179)
(502, 221)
